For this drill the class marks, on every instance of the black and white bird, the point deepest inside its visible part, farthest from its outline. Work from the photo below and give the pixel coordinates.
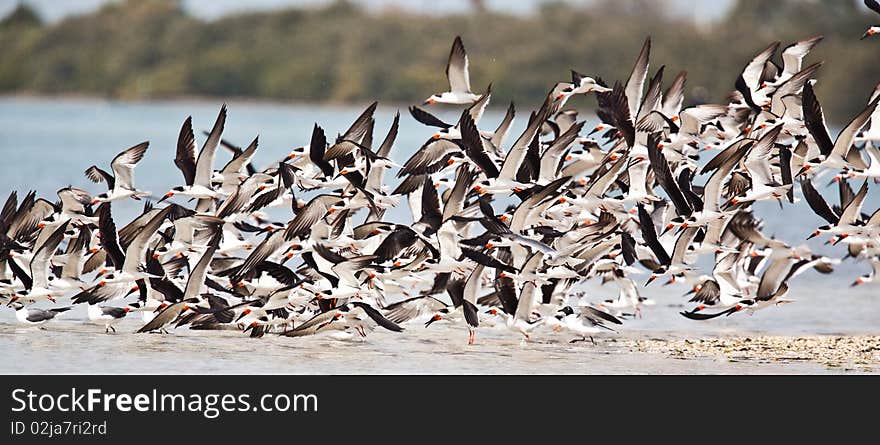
(32, 316)
(873, 30)
(459, 78)
(506, 232)
(107, 315)
(120, 184)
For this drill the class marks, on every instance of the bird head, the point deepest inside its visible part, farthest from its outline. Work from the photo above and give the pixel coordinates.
(434, 318)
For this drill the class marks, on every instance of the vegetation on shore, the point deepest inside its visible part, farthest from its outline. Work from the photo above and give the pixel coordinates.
(343, 53)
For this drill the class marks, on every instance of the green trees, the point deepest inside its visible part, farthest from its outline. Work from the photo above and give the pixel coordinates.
(342, 53)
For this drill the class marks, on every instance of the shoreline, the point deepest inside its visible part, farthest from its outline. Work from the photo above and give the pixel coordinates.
(244, 100)
(846, 352)
(496, 351)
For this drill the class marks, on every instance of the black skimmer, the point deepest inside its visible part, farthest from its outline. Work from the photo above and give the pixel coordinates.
(586, 322)
(120, 184)
(355, 316)
(197, 171)
(107, 315)
(459, 78)
(32, 316)
(873, 30)
(834, 154)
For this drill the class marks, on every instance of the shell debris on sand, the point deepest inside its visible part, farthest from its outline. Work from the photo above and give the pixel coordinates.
(832, 351)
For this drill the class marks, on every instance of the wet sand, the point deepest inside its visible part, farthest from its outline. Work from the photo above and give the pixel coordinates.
(68, 346)
(848, 353)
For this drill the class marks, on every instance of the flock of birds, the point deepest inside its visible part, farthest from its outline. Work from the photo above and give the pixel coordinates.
(508, 235)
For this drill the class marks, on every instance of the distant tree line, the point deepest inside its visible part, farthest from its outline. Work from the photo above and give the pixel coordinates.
(343, 53)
